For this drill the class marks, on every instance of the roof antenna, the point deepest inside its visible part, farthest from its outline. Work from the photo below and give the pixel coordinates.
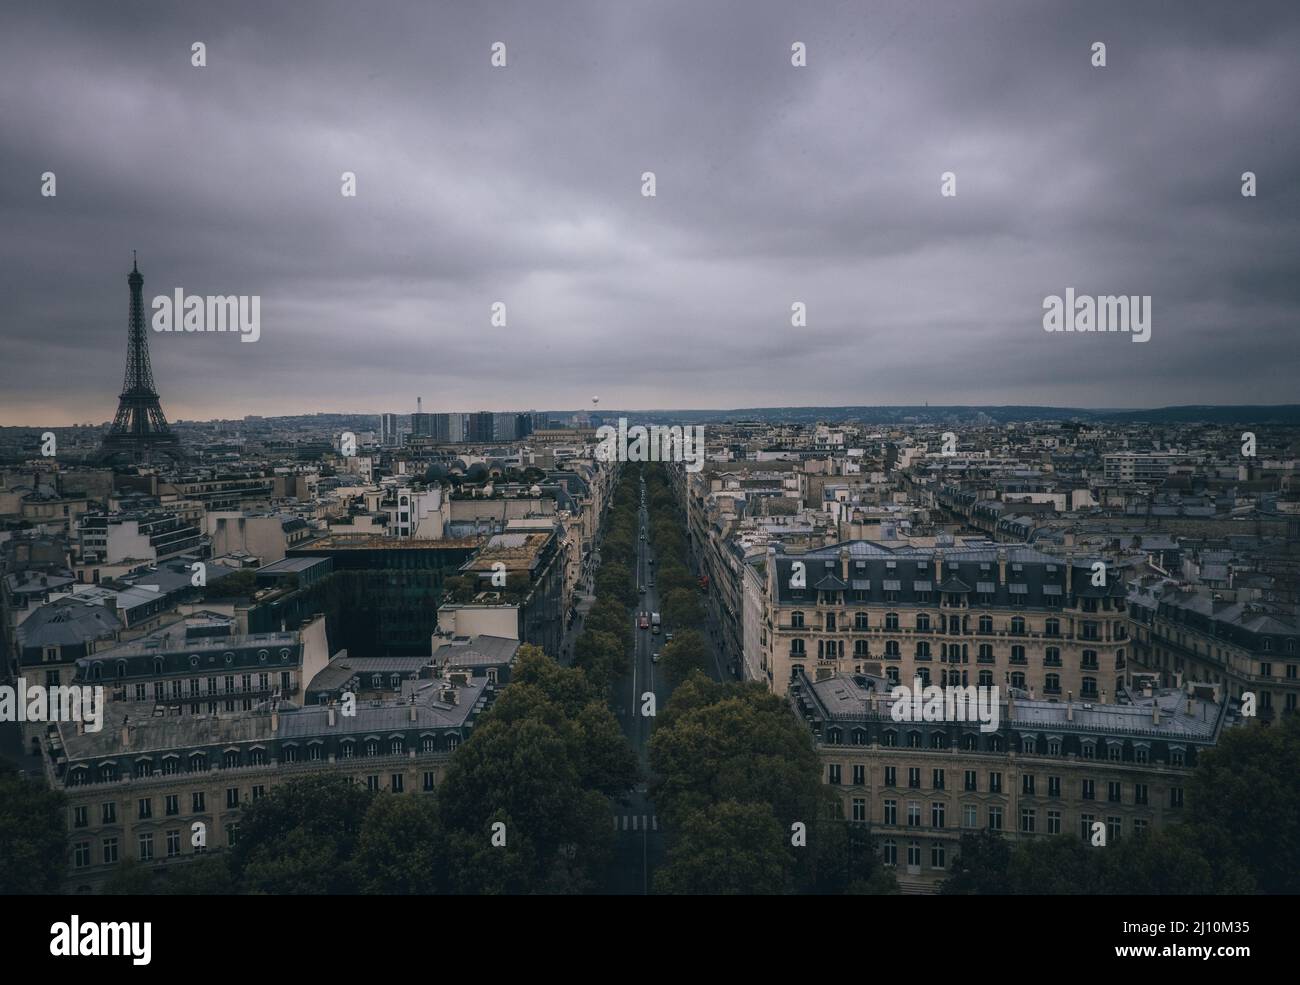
(134, 268)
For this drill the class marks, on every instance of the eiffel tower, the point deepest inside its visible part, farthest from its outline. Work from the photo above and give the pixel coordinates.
(140, 430)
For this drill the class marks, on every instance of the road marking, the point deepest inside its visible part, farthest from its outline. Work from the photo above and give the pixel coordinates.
(636, 822)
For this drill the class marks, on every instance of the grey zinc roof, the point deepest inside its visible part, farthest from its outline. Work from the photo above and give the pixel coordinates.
(386, 665)
(172, 639)
(37, 582)
(843, 695)
(67, 622)
(977, 564)
(479, 650)
(291, 565)
(184, 734)
(830, 583)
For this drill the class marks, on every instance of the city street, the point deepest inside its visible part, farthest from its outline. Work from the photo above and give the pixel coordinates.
(640, 841)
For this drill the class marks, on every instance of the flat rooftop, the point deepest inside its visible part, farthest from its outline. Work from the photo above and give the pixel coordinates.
(847, 695)
(382, 542)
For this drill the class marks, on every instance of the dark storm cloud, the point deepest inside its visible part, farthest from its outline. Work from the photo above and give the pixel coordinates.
(775, 184)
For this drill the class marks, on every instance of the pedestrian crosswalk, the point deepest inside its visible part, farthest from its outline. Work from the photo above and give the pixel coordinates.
(636, 822)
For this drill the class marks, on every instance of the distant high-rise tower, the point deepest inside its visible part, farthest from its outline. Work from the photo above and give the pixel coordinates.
(140, 429)
(390, 430)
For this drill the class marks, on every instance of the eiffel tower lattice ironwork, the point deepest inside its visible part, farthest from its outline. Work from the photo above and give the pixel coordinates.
(140, 429)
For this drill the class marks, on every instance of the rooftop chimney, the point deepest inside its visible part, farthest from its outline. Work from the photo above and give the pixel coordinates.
(1155, 712)
(1069, 706)
(331, 716)
(126, 732)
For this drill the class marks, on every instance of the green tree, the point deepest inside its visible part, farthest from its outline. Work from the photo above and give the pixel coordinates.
(1168, 862)
(1059, 866)
(682, 609)
(728, 849)
(687, 652)
(610, 616)
(300, 837)
(33, 835)
(615, 581)
(298, 864)
(733, 742)
(600, 656)
(668, 542)
(237, 584)
(131, 878)
(544, 761)
(1244, 796)
(980, 868)
(202, 875)
(399, 852)
(841, 860)
(673, 576)
(523, 774)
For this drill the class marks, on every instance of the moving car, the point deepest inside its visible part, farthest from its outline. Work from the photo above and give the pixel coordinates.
(654, 657)
(644, 622)
(654, 623)
(668, 637)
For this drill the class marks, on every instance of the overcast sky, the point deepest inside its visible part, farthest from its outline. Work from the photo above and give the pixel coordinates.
(775, 184)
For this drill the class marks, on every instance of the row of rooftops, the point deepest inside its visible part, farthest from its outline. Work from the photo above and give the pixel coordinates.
(125, 735)
(909, 572)
(450, 655)
(1259, 618)
(1194, 714)
(186, 638)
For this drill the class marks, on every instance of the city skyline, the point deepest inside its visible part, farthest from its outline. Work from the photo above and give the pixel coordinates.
(776, 184)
